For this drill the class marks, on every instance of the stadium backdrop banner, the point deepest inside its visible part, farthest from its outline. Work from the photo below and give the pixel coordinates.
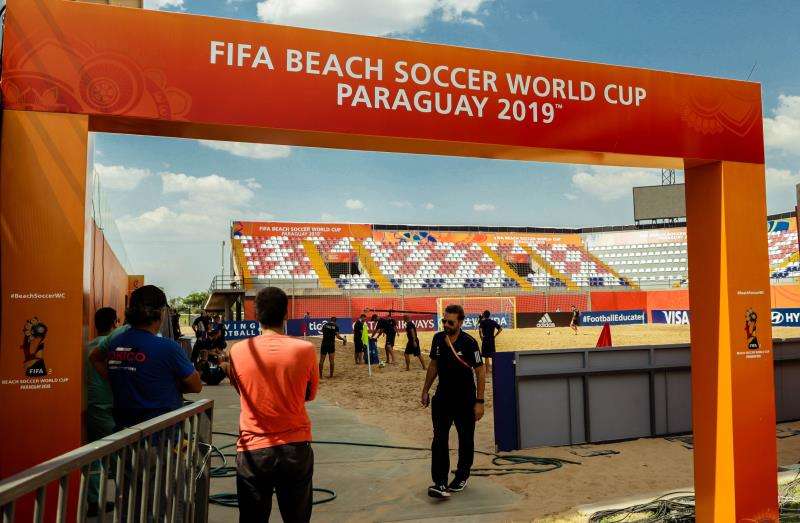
(505, 320)
(786, 317)
(296, 327)
(479, 237)
(527, 320)
(302, 230)
(780, 317)
(423, 323)
(613, 317)
(670, 317)
(70, 68)
(239, 330)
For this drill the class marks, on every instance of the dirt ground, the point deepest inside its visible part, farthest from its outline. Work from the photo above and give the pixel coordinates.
(390, 400)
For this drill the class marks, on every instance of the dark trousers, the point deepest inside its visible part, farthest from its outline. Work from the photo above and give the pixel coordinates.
(445, 412)
(286, 469)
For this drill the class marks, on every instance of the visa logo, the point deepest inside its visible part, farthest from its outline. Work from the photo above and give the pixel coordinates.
(676, 317)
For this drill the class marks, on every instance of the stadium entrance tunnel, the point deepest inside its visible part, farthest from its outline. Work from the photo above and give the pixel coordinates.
(73, 68)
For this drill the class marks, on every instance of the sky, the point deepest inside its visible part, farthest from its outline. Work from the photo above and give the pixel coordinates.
(172, 200)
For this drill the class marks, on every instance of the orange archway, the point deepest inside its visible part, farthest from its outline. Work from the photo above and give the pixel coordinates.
(71, 68)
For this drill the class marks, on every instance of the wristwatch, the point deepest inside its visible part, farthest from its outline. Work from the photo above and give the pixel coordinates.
(479, 401)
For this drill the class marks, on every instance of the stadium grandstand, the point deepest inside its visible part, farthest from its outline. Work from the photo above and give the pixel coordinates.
(544, 269)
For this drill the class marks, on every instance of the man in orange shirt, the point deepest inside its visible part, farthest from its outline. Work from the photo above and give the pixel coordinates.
(274, 375)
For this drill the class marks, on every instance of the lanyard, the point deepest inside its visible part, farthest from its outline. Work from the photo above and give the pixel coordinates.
(455, 354)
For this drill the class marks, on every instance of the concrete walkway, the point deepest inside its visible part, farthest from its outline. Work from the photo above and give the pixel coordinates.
(371, 484)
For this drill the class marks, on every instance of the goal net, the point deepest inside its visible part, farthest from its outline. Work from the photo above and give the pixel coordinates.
(503, 309)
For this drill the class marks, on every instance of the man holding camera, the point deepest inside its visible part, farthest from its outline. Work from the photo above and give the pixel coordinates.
(456, 361)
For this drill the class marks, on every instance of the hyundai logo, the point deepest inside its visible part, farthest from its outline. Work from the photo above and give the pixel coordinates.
(777, 317)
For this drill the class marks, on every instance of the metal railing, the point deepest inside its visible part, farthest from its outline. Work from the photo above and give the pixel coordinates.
(159, 470)
(227, 282)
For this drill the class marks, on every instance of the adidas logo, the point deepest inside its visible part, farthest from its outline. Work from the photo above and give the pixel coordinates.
(545, 321)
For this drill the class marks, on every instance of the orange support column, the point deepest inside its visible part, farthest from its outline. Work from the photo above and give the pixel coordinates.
(46, 277)
(733, 406)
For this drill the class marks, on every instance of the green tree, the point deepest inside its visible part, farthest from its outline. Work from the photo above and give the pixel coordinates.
(193, 302)
(178, 305)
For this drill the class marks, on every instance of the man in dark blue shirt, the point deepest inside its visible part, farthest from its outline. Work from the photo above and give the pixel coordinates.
(148, 374)
(358, 330)
(388, 327)
(412, 345)
(330, 331)
(457, 362)
(488, 329)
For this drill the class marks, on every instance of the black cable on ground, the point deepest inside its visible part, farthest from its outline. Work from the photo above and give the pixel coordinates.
(229, 499)
(545, 464)
(593, 453)
(503, 465)
(681, 507)
(678, 509)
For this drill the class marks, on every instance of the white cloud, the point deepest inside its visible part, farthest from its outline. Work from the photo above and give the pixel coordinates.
(255, 151)
(782, 131)
(429, 206)
(202, 210)
(201, 192)
(613, 183)
(354, 205)
(483, 207)
(120, 177)
(148, 220)
(161, 4)
(569, 196)
(252, 183)
(328, 217)
(374, 18)
(780, 189)
(400, 204)
(782, 179)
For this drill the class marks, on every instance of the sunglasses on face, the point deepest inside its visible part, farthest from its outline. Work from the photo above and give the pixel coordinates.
(452, 323)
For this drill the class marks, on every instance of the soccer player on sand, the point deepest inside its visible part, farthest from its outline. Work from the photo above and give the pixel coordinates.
(576, 318)
(330, 331)
(387, 327)
(488, 329)
(412, 345)
(358, 338)
(457, 362)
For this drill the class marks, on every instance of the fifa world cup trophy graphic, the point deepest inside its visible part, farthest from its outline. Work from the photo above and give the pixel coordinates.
(750, 328)
(33, 347)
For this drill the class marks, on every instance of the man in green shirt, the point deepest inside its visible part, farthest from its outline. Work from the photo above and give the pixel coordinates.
(99, 400)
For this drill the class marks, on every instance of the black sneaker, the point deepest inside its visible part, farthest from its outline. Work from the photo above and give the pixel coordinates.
(438, 491)
(457, 485)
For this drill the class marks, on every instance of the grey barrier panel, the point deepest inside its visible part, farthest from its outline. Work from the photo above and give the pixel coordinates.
(573, 396)
(619, 406)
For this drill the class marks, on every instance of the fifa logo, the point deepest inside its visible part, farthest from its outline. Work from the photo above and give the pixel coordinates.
(750, 326)
(32, 347)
